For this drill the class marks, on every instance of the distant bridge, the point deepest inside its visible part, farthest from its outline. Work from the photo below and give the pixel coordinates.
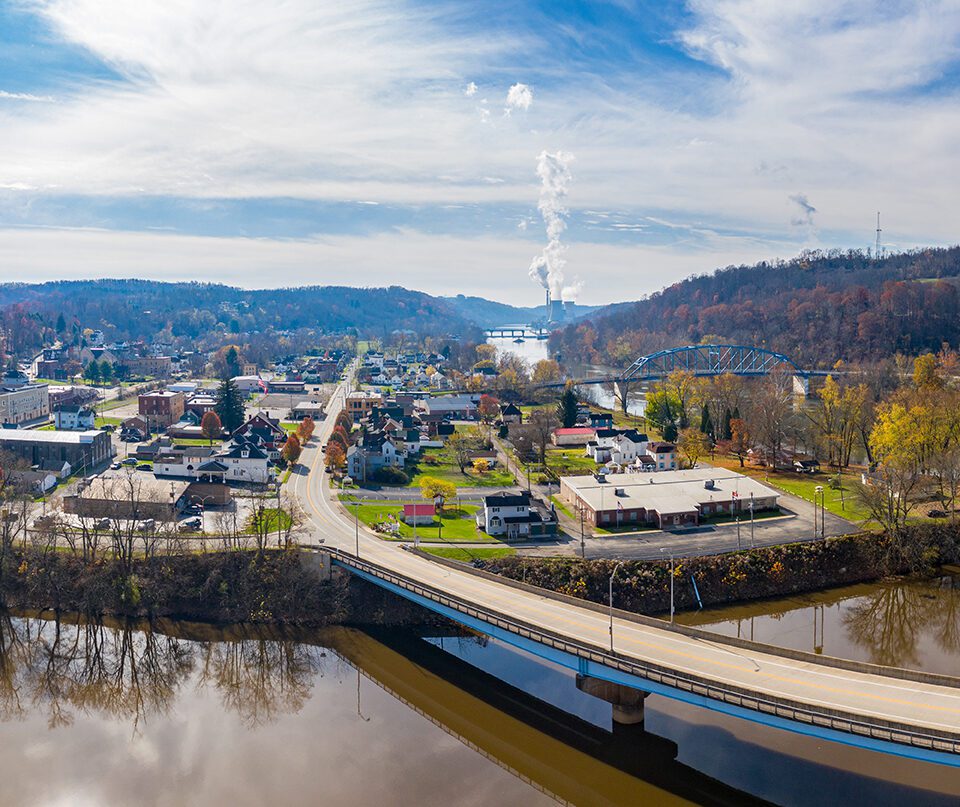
(517, 332)
(704, 361)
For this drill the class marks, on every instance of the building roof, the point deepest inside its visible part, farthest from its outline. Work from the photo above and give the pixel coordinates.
(503, 499)
(55, 437)
(667, 492)
(661, 448)
(424, 509)
(572, 430)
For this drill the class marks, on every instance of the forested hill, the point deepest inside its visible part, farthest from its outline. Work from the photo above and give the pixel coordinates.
(817, 308)
(144, 309)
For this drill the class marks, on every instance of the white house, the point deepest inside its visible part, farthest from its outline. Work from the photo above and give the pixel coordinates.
(617, 445)
(74, 418)
(505, 514)
(240, 463)
(377, 451)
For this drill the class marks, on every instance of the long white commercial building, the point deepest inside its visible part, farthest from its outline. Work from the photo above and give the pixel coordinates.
(669, 499)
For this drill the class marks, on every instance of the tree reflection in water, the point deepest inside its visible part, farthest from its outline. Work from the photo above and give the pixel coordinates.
(132, 672)
(890, 620)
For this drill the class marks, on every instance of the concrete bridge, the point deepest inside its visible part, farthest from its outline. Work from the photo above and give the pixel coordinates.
(622, 657)
(517, 332)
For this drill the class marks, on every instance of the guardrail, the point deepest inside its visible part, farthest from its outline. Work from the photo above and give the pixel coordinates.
(836, 720)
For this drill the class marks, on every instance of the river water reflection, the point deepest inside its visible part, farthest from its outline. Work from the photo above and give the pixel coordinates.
(189, 714)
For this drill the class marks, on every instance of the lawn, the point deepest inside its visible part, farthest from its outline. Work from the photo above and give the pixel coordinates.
(116, 403)
(459, 526)
(101, 422)
(569, 461)
(194, 441)
(441, 463)
(563, 507)
(804, 486)
(289, 426)
(271, 516)
(469, 555)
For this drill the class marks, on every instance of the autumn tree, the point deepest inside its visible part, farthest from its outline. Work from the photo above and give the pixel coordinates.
(545, 371)
(481, 466)
(210, 426)
(305, 429)
(345, 421)
(488, 408)
(460, 445)
(739, 438)
(437, 489)
(693, 445)
(291, 450)
(336, 457)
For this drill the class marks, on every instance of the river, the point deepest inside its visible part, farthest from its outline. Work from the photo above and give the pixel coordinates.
(533, 350)
(191, 714)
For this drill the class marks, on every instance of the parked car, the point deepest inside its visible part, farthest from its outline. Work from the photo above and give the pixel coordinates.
(102, 523)
(115, 466)
(144, 466)
(193, 510)
(128, 461)
(147, 525)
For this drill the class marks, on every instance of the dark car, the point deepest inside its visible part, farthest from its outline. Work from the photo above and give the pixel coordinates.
(144, 466)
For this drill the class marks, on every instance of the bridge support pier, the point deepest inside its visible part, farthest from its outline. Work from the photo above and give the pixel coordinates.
(317, 562)
(627, 702)
(801, 385)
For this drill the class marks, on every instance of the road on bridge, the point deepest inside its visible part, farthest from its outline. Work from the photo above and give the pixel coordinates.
(871, 697)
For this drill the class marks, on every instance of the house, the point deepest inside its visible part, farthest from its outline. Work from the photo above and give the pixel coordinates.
(600, 420)
(73, 417)
(134, 496)
(59, 468)
(510, 414)
(137, 423)
(419, 513)
(664, 456)
(312, 409)
(573, 436)
(680, 499)
(239, 463)
(264, 432)
(375, 451)
(618, 446)
(36, 483)
(511, 515)
(490, 457)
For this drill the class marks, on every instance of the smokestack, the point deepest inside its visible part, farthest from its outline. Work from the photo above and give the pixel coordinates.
(548, 301)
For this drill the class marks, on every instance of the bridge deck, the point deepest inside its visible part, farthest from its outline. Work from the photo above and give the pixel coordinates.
(863, 708)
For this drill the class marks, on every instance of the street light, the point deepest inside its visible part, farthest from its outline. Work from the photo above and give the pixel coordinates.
(818, 490)
(662, 549)
(610, 594)
(356, 514)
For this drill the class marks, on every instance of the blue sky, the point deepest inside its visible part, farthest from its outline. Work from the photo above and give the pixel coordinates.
(382, 142)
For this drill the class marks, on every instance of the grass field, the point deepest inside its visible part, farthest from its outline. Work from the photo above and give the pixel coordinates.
(271, 516)
(569, 461)
(469, 555)
(441, 463)
(194, 441)
(840, 502)
(459, 526)
(101, 422)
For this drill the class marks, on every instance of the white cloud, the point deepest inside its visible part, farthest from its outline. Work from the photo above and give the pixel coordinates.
(471, 90)
(519, 96)
(27, 96)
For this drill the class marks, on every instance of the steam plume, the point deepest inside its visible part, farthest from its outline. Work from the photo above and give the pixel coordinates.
(547, 267)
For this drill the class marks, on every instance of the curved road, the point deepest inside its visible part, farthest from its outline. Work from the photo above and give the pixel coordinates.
(871, 697)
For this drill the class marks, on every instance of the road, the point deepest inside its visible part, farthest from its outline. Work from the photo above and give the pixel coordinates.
(867, 696)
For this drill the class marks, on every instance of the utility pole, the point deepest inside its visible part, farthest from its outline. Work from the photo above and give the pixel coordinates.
(877, 248)
(751, 519)
(610, 600)
(672, 609)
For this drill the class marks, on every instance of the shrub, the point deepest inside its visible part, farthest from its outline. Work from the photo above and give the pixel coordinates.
(391, 476)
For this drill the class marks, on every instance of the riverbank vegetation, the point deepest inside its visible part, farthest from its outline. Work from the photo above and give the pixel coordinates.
(644, 586)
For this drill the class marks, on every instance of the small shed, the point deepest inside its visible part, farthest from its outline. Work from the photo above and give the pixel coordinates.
(421, 513)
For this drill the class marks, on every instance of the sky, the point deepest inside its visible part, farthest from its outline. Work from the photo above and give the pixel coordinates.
(450, 146)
